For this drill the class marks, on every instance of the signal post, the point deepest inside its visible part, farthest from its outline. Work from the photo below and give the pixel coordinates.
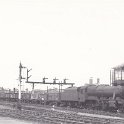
(40, 82)
(20, 80)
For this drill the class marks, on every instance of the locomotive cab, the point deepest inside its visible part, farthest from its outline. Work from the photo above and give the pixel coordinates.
(117, 76)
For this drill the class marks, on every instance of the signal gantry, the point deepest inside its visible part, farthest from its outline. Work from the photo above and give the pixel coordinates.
(60, 83)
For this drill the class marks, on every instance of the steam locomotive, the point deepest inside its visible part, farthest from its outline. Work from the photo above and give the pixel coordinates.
(105, 97)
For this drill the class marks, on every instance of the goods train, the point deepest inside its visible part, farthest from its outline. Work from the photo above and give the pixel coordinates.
(103, 97)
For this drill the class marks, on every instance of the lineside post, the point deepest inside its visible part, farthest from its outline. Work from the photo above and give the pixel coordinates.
(20, 80)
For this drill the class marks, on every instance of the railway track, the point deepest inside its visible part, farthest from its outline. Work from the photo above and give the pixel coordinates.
(58, 115)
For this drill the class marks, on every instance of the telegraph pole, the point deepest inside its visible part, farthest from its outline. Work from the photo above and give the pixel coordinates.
(20, 77)
(60, 91)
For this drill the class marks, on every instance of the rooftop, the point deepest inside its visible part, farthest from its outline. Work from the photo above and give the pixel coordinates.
(119, 67)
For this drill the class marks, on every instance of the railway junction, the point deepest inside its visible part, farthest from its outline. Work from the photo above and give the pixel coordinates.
(90, 104)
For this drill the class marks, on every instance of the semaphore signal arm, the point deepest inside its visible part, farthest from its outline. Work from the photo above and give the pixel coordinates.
(44, 81)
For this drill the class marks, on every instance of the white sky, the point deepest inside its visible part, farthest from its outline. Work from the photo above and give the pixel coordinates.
(76, 39)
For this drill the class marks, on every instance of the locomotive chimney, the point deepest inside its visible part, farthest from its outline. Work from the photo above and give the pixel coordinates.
(98, 81)
(91, 80)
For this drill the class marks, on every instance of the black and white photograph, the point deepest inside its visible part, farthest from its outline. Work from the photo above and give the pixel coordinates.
(61, 62)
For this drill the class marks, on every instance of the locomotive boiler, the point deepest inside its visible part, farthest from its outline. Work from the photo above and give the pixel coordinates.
(105, 91)
(106, 96)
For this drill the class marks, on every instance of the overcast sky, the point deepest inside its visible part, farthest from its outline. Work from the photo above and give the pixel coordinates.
(76, 39)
